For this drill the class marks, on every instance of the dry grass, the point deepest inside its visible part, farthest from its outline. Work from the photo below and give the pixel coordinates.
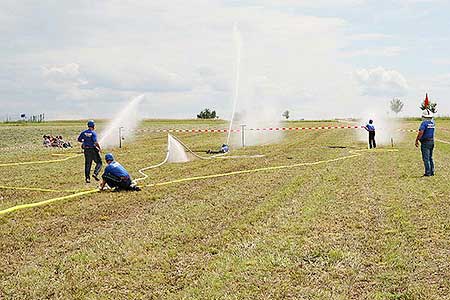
(364, 228)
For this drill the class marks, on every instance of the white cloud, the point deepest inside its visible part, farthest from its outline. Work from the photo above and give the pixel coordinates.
(418, 1)
(68, 71)
(181, 54)
(134, 78)
(63, 78)
(381, 82)
(302, 3)
(440, 81)
(441, 61)
(370, 37)
(383, 52)
(176, 51)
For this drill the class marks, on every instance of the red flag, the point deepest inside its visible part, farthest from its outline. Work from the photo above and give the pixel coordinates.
(427, 102)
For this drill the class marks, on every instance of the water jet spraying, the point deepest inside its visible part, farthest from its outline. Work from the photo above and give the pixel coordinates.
(238, 43)
(123, 125)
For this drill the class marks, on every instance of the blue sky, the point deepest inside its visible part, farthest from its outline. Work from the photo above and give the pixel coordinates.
(319, 59)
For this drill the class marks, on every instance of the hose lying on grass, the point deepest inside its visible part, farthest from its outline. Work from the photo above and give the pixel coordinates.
(166, 159)
(35, 204)
(69, 156)
(353, 154)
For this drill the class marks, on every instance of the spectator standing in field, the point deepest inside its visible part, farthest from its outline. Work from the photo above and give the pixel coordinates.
(92, 150)
(426, 138)
(371, 129)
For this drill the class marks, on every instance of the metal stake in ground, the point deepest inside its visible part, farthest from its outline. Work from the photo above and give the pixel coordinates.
(243, 134)
(120, 137)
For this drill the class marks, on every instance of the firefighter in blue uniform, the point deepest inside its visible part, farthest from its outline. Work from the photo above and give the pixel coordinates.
(224, 149)
(116, 176)
(91, 149)
(371, 129)
(426, 138)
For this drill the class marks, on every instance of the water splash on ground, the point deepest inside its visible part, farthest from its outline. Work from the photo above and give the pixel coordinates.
(177, 153)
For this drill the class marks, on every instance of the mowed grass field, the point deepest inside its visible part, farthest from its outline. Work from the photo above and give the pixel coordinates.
(367, 226)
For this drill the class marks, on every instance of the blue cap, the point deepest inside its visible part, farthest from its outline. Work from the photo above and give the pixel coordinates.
(91, 123)
(109, 157)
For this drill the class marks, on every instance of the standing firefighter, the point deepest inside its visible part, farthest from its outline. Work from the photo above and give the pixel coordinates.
(371, 129)
(91, 148)
(426, 138)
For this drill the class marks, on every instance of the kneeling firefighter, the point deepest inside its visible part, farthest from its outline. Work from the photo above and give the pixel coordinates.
(223, 149)
(116, 176)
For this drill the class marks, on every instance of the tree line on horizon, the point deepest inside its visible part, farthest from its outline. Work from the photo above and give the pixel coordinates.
(396, 105)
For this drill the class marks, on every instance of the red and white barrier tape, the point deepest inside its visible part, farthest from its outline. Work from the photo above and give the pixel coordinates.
(262, 129)
(247, 129)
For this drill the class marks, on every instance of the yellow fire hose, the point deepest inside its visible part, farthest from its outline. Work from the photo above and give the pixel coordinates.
(353, 154)
(30, 205)
(20, 188)
(69, 156)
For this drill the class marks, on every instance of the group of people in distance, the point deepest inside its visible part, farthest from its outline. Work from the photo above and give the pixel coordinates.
(425, 137)
(117, 177)
(55, 141)
(114, 175)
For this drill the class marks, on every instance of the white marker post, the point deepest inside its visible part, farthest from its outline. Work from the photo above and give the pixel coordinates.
(243, 135)
(120, 137)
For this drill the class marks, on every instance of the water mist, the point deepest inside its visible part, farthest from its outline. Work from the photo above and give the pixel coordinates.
(386, 128)
(238, 43)
(176, 151)
(126, 121)
(251, 107)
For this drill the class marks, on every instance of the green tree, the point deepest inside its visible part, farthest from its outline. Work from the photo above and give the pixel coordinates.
(431, 106)
(285, 114)
(207, 114)
(396, 105)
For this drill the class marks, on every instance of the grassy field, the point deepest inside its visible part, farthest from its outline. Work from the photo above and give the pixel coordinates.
(367, 226)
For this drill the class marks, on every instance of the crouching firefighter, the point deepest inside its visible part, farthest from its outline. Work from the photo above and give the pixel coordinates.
(224, 149)
(115, 176)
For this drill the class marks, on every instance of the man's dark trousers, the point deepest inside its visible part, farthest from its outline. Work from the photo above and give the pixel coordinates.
(115, 181)
(427, 148)
(372, 143)
(92, 154)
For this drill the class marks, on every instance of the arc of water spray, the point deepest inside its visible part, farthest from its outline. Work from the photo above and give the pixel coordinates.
(238, 44)
(127, 117)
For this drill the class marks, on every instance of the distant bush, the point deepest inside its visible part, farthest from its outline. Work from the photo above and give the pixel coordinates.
(431, 106)
(396, 105)
(427, 104)
(207, 114)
